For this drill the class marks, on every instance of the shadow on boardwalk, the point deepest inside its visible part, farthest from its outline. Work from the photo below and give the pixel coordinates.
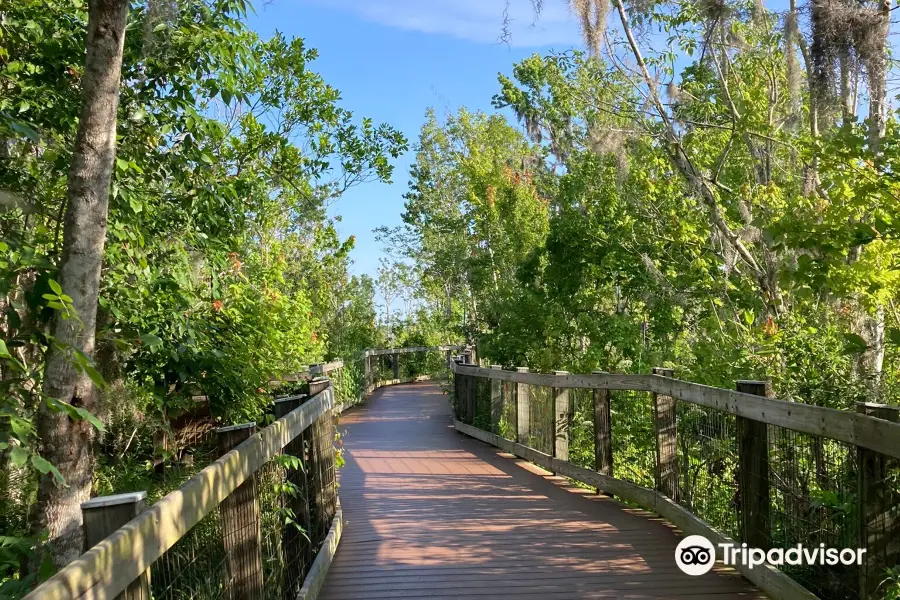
(430, 513)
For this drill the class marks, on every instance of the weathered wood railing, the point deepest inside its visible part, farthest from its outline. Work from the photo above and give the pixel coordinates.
(728, 465)
(261, 522)
(388, 366)
(247, 526)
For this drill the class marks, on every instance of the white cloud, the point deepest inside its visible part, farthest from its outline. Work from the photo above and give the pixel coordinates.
(474, 20)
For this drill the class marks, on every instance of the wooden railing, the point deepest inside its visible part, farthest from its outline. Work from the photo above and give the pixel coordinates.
(247, 525)
(729, 465)
(384, 366)
(261, 522)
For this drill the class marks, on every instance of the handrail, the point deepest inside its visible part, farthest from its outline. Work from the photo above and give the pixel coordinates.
(108, 568)
(757, 451)
(861, 430)
(387, 351)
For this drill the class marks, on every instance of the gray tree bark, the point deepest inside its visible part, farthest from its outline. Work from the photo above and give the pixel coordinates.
(65, 442)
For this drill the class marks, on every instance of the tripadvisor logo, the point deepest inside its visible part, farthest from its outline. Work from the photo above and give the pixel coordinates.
(695, 555)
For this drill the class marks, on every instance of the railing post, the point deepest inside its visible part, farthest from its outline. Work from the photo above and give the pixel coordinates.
(603, 454)
(367, 373)
(496, 401)
(457, 390)
(101, 517)
(295, 544)
(523, 410)
(664, 418)
(753, 481)
(879, 529)
(471, 398)
(241, 524)
(562, 418)
(395, 362)
(508, 391)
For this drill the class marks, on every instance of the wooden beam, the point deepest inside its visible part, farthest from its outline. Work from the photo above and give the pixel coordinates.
(850, 427)
(879, 527)
(562, 419)
(753, 471)
(603, 453)
(102, 517)
(665, 424)
(523, 409)
(109, 567)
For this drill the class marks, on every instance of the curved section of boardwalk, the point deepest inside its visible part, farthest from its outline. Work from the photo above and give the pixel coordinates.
(430, 513)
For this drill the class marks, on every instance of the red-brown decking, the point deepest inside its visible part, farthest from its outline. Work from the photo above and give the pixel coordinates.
(430, 513)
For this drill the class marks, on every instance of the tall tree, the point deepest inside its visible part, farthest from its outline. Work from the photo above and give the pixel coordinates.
(67, 441)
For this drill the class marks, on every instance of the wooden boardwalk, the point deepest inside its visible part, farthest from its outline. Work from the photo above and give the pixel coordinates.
(430, 513)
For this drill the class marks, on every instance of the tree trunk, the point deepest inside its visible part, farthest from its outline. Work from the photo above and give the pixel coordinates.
(870, 363)
(872, 327)
(67, 443)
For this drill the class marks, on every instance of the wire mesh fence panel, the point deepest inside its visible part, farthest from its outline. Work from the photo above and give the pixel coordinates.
(581, 432)
(275, 561)
(509, 410)
(814, 500)
(541, 419)
(708, 466)
(633, 437)
(482, 391)
(195, 567)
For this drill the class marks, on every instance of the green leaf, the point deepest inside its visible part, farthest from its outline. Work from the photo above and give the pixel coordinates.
(21, 428)
(75, 412)
(18, 456)
(96, 378)
(43, 466)
(57, 289)
(893, 336)
(47, 569)
(854, 344)
(3, 351)
(150, 340)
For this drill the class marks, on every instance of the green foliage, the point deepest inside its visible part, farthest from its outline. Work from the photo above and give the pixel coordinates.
(222, 271)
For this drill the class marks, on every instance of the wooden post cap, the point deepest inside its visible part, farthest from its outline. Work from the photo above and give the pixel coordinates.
(290, 398)
(114, 500)
(754, 386)
(881, 411)
(230, 428)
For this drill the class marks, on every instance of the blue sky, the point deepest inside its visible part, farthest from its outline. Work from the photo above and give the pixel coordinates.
(392, 59)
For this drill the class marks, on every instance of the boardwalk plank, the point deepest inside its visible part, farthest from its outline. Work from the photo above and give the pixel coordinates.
(429, 513)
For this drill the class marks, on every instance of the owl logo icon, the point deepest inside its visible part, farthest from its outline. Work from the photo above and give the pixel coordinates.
(695, 555)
